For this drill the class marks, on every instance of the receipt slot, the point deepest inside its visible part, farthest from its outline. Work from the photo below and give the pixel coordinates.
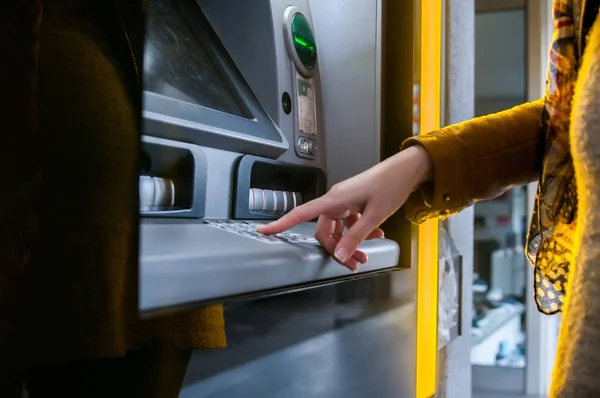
(233, 136)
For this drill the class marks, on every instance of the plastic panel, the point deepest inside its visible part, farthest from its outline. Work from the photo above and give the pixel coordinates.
(184, 262)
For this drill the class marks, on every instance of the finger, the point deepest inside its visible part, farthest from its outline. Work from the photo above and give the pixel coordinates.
(325, 228)
(352, 219)
(361, 257)
(328, 233)
(355, 236)
(339, 229)
(329, 243)
(376, 234)
(358, 255)
(298, 215)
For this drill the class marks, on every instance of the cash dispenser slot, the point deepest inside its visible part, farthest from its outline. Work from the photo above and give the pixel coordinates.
(266, 189)
(172, 179)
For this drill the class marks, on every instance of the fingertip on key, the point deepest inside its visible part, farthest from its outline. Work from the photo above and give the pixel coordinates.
(342, 254)
(261, 229)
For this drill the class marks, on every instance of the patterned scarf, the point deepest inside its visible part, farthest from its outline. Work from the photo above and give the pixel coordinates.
(550, 240)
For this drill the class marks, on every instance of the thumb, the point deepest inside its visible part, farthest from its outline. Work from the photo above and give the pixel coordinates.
(355, 236)
(298, 215)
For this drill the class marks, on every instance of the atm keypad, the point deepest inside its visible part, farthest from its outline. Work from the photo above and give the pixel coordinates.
(248, 229)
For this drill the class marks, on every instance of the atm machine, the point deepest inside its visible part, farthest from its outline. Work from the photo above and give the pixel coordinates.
(250, 109)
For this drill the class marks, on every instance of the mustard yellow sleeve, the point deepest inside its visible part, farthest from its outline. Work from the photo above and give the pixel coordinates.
(477, 160)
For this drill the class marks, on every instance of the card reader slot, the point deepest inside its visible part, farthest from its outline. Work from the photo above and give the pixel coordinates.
(156, 193)
(283, 201)
(173, 180)
(267, 189)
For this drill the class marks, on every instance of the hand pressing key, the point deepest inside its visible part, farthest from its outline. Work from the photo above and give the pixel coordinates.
(352, 211)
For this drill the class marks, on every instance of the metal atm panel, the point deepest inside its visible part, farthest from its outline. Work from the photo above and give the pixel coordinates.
(352, 98)
(352, 336)
(217, 161)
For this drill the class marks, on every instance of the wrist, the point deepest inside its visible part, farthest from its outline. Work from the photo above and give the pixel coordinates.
(422, 165)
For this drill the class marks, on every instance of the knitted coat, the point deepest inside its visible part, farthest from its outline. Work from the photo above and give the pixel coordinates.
(68, 208)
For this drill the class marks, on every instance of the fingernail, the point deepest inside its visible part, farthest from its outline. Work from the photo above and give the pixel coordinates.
(382, 234)
(342, 254)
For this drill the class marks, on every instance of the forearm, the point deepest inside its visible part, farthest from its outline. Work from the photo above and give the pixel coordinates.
(477, 160)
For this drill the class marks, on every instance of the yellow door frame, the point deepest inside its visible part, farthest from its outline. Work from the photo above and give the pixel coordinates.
(428, 264)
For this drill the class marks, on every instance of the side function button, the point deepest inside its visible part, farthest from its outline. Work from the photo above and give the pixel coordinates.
(303, 146)
(312, 147)
(307, 146)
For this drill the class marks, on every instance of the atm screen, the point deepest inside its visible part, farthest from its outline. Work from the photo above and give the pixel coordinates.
(178, 65)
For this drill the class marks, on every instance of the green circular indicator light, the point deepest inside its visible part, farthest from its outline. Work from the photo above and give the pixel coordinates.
(304, 41)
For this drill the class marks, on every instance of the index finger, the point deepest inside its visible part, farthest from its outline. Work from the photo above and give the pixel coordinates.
(298, 215)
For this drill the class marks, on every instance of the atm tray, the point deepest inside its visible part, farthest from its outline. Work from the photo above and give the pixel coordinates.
(185, 263)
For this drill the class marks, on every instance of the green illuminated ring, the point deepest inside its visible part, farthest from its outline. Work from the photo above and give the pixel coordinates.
(288, 18)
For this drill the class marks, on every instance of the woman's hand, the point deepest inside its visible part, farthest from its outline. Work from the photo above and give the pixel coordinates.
(361, 203)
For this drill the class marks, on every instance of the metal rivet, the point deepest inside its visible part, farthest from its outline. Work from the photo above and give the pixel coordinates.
(446, 197)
